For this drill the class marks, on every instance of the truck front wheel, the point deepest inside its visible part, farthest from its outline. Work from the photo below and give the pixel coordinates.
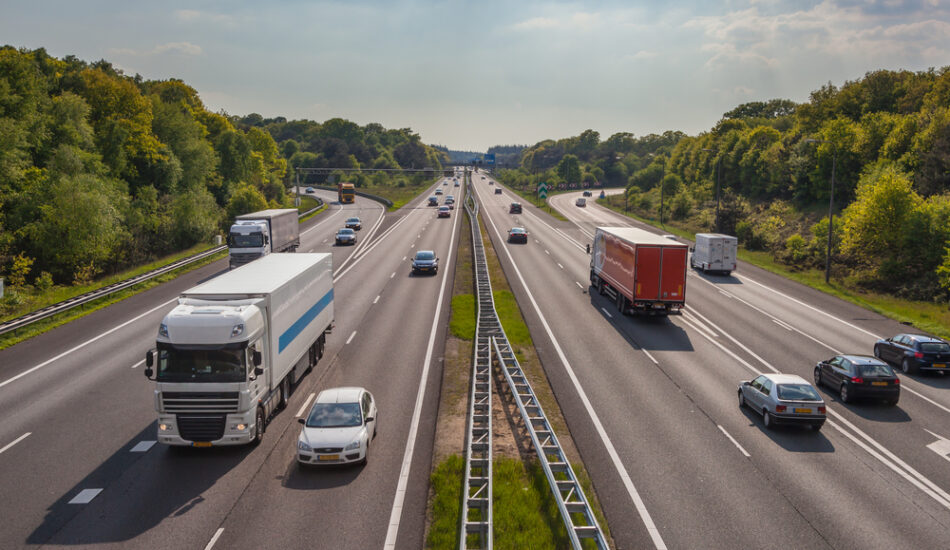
(258, 427)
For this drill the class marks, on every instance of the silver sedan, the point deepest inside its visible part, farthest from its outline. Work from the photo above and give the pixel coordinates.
(783, 399)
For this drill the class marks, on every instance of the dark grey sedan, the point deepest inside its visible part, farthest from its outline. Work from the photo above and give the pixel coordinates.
(783, 399)
(914, 352)
(856, 376)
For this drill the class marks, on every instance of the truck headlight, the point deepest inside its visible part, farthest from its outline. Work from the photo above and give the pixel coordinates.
(353, 446)
(237, 330)
(164, 427)
(302, 446)
(163, 330)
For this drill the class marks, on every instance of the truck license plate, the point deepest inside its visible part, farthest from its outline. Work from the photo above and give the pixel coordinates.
(201, 444)
(329, 457)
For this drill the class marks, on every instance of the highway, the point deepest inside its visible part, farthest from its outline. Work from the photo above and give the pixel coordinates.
(652, 404)
(78, 459)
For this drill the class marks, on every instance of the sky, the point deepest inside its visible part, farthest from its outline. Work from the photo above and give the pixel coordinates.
(470, 75)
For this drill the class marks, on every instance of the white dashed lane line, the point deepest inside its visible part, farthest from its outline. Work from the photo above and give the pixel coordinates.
(142, 447)
(376, 300)
(14, 442)
(580, 286)
(85, 496)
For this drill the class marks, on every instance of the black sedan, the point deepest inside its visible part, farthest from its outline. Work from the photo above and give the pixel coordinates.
(515, 208)
(518, 235)
(345, 236)
(354, 223)
(425, 261)
(856, 376)
(914, 352)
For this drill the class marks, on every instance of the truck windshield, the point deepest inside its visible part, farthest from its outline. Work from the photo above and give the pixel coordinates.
(249, 240)
(201, 363)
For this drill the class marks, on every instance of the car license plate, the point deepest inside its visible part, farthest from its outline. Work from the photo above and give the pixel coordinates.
(201, 444)
(805, 411)
(329, 457)
(878, 383)
(940, 365)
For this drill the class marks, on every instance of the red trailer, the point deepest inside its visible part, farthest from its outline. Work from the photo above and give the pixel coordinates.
(640, 271)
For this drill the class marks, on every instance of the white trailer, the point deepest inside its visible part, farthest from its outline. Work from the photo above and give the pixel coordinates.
(714, 252)
(229, 353)
(259, 233)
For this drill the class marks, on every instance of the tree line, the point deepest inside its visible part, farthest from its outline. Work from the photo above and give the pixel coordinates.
(886, 136)
(100, 171)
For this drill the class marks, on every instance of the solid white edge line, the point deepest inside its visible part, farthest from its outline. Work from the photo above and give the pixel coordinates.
(782, 324)
(306, 403)
(734, 442)
(608, 444)
(214, 539)
(376, 299)
(14, 442)
(393, 274)
(87, 342)
(648, 354)
(350, 339)
(394, 517)
(143, 446)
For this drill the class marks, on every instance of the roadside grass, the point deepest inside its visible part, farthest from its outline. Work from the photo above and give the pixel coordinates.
(524, 510)
(926, 316)
(463, 319)
(39, 327)
(306, 203)
(445, 503)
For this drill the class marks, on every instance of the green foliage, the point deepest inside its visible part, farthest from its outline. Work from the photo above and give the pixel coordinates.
(569, 169)
(796, 248)
(20, 269)
(446, 482)
(943, 271)
(245, 199)
(463, 321)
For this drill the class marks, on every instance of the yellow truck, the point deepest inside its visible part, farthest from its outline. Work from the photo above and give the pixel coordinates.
(346, 192)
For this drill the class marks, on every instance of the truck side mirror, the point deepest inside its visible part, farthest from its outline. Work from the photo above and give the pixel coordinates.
(258, 371)
(266, 239)
(149, 358)
(148, 373)
(257, 359)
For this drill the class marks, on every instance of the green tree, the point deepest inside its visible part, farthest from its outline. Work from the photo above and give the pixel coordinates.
(246, 198)
(874, 222)
(569, 169)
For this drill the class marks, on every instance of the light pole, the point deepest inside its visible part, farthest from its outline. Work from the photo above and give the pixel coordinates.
(718, 177)
(831, 202)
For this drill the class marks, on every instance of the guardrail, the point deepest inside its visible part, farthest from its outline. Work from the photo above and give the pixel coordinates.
(573, 505)
(477, 497)
(76, 301)
(376, 198)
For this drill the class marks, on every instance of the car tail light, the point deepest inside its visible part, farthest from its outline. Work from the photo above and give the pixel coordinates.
(822, 410)
(780, 408)
(857, 379)
(897, 381)
(918, 355)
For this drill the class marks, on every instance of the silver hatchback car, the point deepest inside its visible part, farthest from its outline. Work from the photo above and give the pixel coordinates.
(783, 399)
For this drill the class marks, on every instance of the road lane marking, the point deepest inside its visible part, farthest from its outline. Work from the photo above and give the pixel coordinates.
(579, 285)
(341, 272)
(306, 404)
(595, 418)
(393, 274)
(140, 363)
(214, 539)
(87, 342)
(698, 324)
(14, 442)
(395, 516)
(607, 313)
(350, 339)
(648, 354)
(404, 258)
(376, 300)
(559, 265)
(85, 496)
(734, 442)
(941, 446)
(142, 447)
(546, 252)
(783, 325)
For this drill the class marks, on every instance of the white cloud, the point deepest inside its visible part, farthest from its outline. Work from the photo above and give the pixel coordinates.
(640, 55)
(195, 16)
(180, 48)
(579, 21)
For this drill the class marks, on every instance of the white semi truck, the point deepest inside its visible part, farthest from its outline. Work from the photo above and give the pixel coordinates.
(259, 233)
(228, 354)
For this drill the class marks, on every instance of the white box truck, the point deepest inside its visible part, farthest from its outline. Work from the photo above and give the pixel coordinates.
(227, 355)
(259, 233)
(714, 252)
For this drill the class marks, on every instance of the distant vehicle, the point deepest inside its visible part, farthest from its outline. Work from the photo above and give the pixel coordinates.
(581, 201)
(438, 191)
(859, 376)
(640, 271)
(310, 190)
(498, 190)
(346, 192)
(914, 352)
(345, 236)
(714, 252)
(518, 235)
(433, 201)
(260, 233)
(223, 364)
(483, 177)
(515, 208)
(339, 427)
(587, 193)
(444, 212)
(450, 201)
(490, 182)
(445, 182)
(783, 399)
(354, 223)
(456, 183)
(425, 261)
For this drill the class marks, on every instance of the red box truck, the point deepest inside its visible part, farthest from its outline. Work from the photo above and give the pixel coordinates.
(640, 271)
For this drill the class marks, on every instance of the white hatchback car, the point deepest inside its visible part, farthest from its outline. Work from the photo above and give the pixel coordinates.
(339, 427)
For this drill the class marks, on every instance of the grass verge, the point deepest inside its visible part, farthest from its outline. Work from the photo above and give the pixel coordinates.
(926, 316)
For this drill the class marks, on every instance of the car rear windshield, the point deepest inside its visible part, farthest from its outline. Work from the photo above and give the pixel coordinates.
(353, 220)
(797, 392)
(335, 415)
(875, 369)
(425, 255)
(934, 347)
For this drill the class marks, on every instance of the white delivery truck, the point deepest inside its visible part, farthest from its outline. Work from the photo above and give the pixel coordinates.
(227, 355)
(714, 252)
(260, 233)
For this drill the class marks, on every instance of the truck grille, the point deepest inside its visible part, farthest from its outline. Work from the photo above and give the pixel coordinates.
(178, 402)
(241, 259)
(196, 427)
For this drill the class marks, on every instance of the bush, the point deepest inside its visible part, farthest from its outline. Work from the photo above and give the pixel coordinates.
(44, 282)
(796, 249)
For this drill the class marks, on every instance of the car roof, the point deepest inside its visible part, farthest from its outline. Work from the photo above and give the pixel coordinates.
(863, 359)
(924, 338)
(353, 218)
(786, 378)
(345, 230)
(348, 394)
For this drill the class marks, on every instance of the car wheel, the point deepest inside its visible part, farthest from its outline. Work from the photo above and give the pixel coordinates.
(258, 427)
(907, 367)
(818, 377)
(621, 303)
(741, 399)
(365, 456)
(767, 419)
(892, 402)
(845, 394)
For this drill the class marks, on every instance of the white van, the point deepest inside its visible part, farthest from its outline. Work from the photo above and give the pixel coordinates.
(714, 252)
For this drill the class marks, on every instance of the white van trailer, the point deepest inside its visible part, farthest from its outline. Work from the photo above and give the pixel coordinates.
(714, 252)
